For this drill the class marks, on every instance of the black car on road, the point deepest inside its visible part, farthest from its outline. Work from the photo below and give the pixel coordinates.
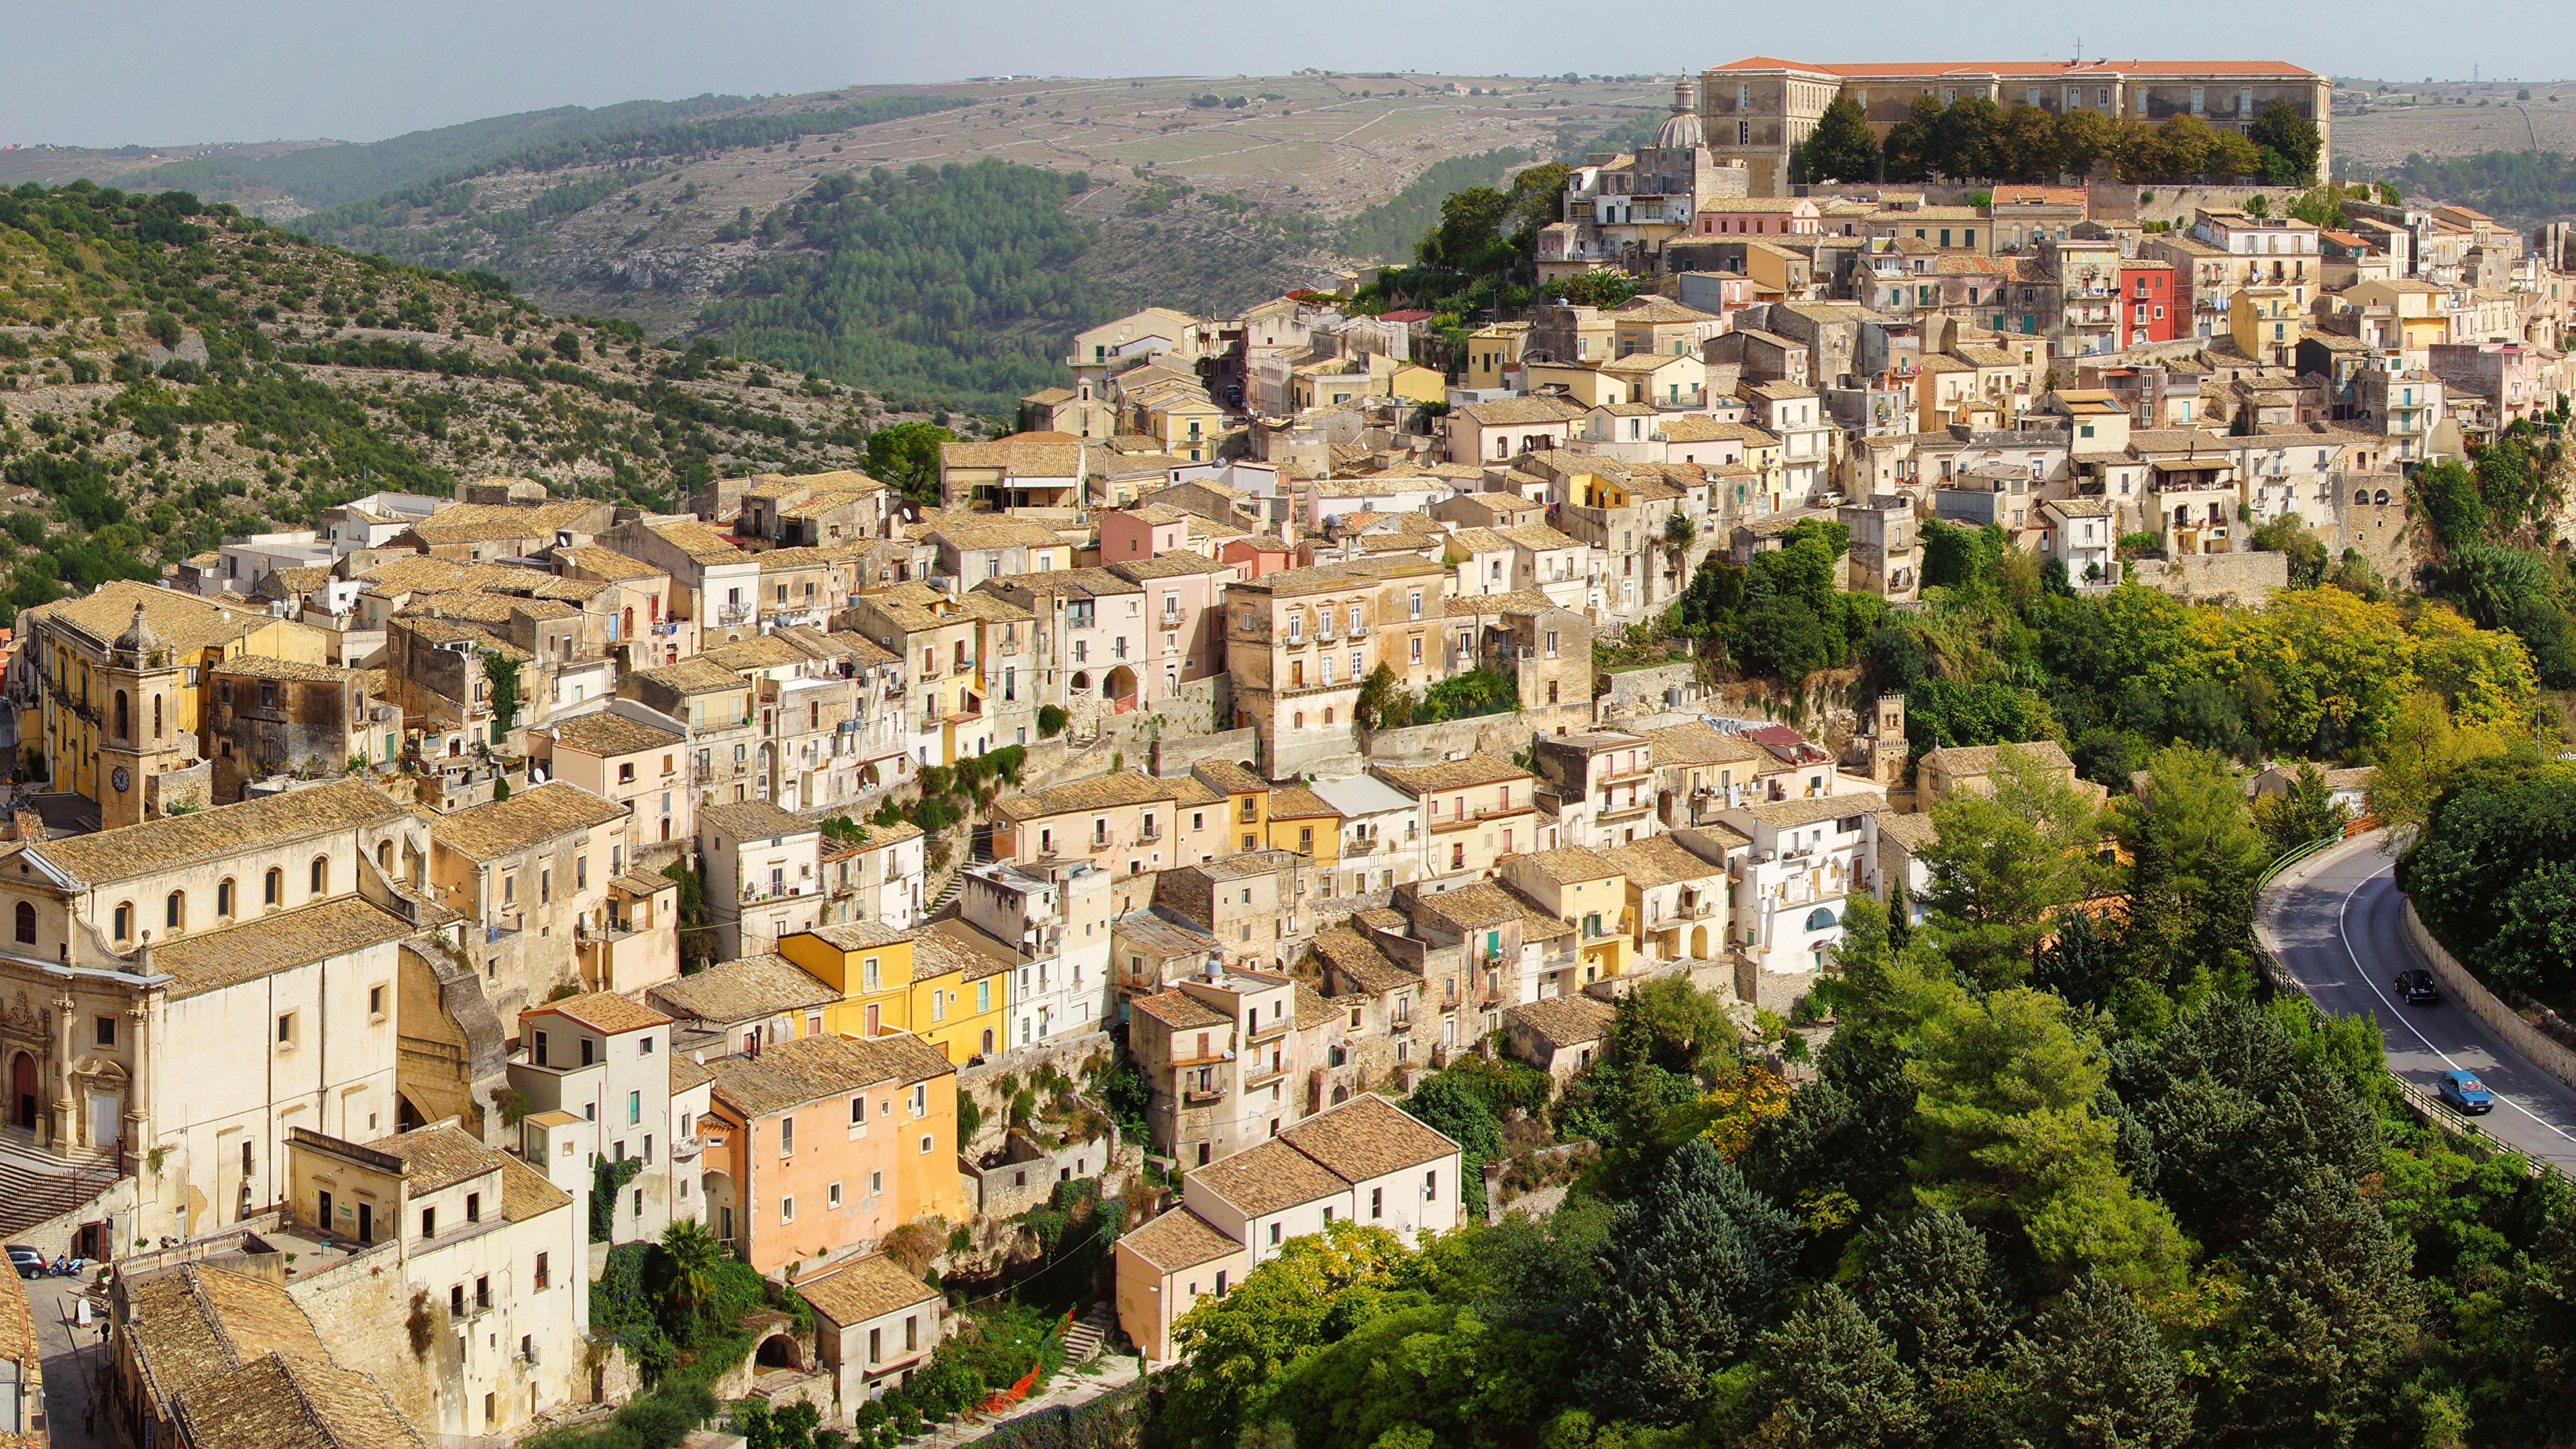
(2415, 988)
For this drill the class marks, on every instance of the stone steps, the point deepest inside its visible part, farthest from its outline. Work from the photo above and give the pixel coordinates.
(33, 1190)
(1082, 1343)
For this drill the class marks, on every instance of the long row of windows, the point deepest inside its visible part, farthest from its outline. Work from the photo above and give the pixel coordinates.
(174, 907)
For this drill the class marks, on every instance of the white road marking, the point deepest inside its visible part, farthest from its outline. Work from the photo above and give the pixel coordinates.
(2345, 937)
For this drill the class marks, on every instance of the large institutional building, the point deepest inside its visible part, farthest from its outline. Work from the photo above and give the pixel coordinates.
(1760, 108)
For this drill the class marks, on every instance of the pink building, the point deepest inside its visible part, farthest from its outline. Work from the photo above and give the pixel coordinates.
(1142, 532)
(1184, 618)
(1758, 216)
(1258, 556)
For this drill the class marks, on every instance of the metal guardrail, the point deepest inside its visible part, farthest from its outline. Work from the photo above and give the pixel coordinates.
(2427, 1108)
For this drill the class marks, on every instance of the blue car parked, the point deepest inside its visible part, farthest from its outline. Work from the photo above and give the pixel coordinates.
(2465, 1093)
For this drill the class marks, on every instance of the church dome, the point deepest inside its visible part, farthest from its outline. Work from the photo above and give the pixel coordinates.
(1682, 130)
(138, 639)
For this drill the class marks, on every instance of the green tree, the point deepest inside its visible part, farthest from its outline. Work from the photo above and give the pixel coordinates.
(1968, 140)
(1451, 1105)
(2026, 143)
(2194, 856)
(1938, 1290)
(1829, 1379)
(1234, 1347)
(2093, 1373)
(1913, 148)
(2011, 1138)
(2085, 139)
(2307, 811)
(2335, 1319)
(1692, 1270)
(2421, 753)
(567, 345)
(2445, 496)
(687, 1269)
(1384, 702)
(905, 457)
(2294, 139)
(2003, 862)
(501, 679)
(1841, 147)
(2289, 534)
(2185, 147)
(2232, 155)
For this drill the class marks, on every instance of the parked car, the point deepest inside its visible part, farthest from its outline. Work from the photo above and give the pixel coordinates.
(27, 1261)
(2466, 1093)
(2415, 988)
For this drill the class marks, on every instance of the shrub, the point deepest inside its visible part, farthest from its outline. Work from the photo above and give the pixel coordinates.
(1051, 721)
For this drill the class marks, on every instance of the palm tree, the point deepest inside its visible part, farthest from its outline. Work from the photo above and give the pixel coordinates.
(690, 1256)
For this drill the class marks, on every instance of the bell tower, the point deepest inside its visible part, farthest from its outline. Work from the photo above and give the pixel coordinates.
(139, 734)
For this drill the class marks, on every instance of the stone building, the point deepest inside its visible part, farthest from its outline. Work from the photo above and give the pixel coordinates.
(282, 716)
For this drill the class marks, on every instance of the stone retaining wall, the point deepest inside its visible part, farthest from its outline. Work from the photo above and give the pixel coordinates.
(2486, 1006)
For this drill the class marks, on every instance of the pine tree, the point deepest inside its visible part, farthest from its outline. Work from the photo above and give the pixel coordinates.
(1936, 1288)
(2335, 1317)
(1691, 1271)
(2093, 1373)
(1829, 1379)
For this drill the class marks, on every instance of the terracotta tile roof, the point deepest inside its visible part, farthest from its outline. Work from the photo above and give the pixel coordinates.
(1809, 812)
(185, 622)
(1693, 743)
(1469, 907)
(1913, 831)
(1537, 536)
(1521, 411)
(438, 1157)
(203, 835)
(605, 1011)
(209, 960)
(1477, 769)
(695, 675)
(1162, 936)
(1269, 1177)
(193, 1324)
(1565, 1021)
(745, 989)
(1167, 566)
(502, 522)
(605, 734)
(605, 563)
(957, 945)
(1101, 792)
(698, 541)
(1231, 778)
(525, 1193)
(761, 651)
(687, 1075)
(278, 1402)
(525, 821)
(864, 1288)
(1659, 860)
(1181, 1011)
(987, 530)
(811, 1068)
(1367, 1137)
(1296, 802)
(1572, 864)
(1178, 1240)
(1015, 459)
(753, 820)
(260, 666)
(1354, 955)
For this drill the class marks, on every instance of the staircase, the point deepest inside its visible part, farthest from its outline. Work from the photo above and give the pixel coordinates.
(35, 1186)
(947, 896)
(1083, 1341)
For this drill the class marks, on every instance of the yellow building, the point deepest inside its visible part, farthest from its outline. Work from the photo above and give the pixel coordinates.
(1587, 891)
(1301, 821)
(917, 981)
(1493, 351)
(2264, 323)
(119, 697)
(1418, 383)
(1585, 383)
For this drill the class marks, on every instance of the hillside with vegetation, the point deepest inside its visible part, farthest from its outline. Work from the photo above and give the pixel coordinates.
(172, 372)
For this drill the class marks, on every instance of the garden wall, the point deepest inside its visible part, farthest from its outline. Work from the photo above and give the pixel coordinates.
(2250, 578)
(1499, 734)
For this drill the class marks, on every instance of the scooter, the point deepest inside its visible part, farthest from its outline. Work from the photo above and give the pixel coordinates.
(67, 1267)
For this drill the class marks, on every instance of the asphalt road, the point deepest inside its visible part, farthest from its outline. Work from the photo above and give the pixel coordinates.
(2337, 923)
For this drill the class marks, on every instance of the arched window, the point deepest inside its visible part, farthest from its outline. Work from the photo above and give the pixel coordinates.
(224, 898)
(174, 911)
(321, 875)
(125, 921)
(1299, 721)
(2379, 497)
(1328, 714)
(385, 856)
(1820, 919)
(123, 719)
(2361, 495)
(273, 888)
(26, 924)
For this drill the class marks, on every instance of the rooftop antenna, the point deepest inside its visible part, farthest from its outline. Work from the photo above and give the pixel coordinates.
(2079, 50)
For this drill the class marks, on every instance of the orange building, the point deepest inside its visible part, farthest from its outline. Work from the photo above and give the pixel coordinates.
(819, 1147)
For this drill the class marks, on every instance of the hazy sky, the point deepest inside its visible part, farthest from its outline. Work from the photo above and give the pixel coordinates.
(117, 72)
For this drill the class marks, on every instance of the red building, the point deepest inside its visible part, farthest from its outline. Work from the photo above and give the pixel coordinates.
(2147, 307)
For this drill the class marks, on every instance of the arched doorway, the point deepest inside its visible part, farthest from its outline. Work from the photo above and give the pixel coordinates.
(1699, 943)
(22, 1091)
(769, 771)
(779, 1351)
(1120, 686)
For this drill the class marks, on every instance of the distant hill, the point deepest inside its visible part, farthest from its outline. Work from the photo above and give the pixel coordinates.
(171, 374)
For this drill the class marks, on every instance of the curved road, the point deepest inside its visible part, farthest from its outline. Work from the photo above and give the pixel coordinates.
(2337, 923)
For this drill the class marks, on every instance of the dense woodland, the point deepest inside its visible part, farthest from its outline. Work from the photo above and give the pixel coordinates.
(2522, 185)
(1973, 139)
(261, 376)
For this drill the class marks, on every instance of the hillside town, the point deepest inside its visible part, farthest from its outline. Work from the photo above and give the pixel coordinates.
(410, 909)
